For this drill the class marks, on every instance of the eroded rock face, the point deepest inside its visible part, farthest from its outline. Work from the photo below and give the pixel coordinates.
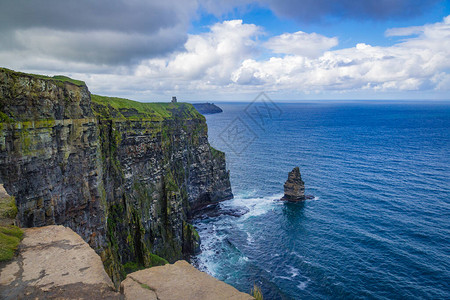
(294, 188)
(155, 176)
(55, 262)
(126, 182)
(177, 281)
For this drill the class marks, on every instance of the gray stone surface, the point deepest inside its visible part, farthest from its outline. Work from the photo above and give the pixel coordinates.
(55, 263)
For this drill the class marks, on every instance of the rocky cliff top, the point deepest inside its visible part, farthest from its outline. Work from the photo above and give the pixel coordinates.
(29, 97)
(59, 78)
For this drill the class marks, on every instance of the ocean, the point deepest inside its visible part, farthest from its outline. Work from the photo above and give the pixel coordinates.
(379, 224)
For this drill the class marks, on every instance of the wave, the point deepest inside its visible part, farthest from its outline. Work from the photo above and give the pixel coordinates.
(256, 206)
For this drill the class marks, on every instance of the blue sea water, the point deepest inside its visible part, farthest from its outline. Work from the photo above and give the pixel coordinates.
(379, 225)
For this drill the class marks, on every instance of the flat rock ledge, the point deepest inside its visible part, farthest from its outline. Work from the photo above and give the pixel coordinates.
(177, 281)
(53, 262)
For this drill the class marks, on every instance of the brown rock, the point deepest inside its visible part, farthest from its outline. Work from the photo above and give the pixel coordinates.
(294, 188)
(177, 281)
(131, 289)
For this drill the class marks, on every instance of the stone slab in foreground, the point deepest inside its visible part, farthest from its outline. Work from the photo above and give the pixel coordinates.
(177, 281)
(55, 262)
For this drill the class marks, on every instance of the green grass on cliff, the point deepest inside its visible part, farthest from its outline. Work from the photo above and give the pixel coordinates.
(8, 208)
(112, 107)
(68, 79)
(256, 293)
(59, 78)
(10, 237)
(132, 266)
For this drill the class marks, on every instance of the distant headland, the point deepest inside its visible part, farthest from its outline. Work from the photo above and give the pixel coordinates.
(207, 108)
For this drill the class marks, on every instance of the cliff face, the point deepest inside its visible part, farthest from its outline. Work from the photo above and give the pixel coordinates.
(124, 175)
(48, 154)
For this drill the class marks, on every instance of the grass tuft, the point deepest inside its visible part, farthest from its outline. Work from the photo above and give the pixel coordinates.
(256, 292)
(8, 208)
(131, 266)
(145, 286)
(156, 260)
(10, 237)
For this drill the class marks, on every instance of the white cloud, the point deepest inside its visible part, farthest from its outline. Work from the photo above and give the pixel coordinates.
(404, 31)
(301, 43)
(407, 66)
(208, 57)
(225, 61)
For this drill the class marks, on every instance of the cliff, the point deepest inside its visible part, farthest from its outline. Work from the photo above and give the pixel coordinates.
(126, 176)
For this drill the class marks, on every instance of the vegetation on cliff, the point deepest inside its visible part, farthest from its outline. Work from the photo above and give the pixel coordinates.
(120, 108)
(29, 97)
(60, 78)
(10, 235)
(256, 293)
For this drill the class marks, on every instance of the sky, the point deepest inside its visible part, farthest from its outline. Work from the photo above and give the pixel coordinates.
(230, 50)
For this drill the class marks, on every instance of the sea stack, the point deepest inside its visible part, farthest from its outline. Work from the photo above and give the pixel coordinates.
(294, 188)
